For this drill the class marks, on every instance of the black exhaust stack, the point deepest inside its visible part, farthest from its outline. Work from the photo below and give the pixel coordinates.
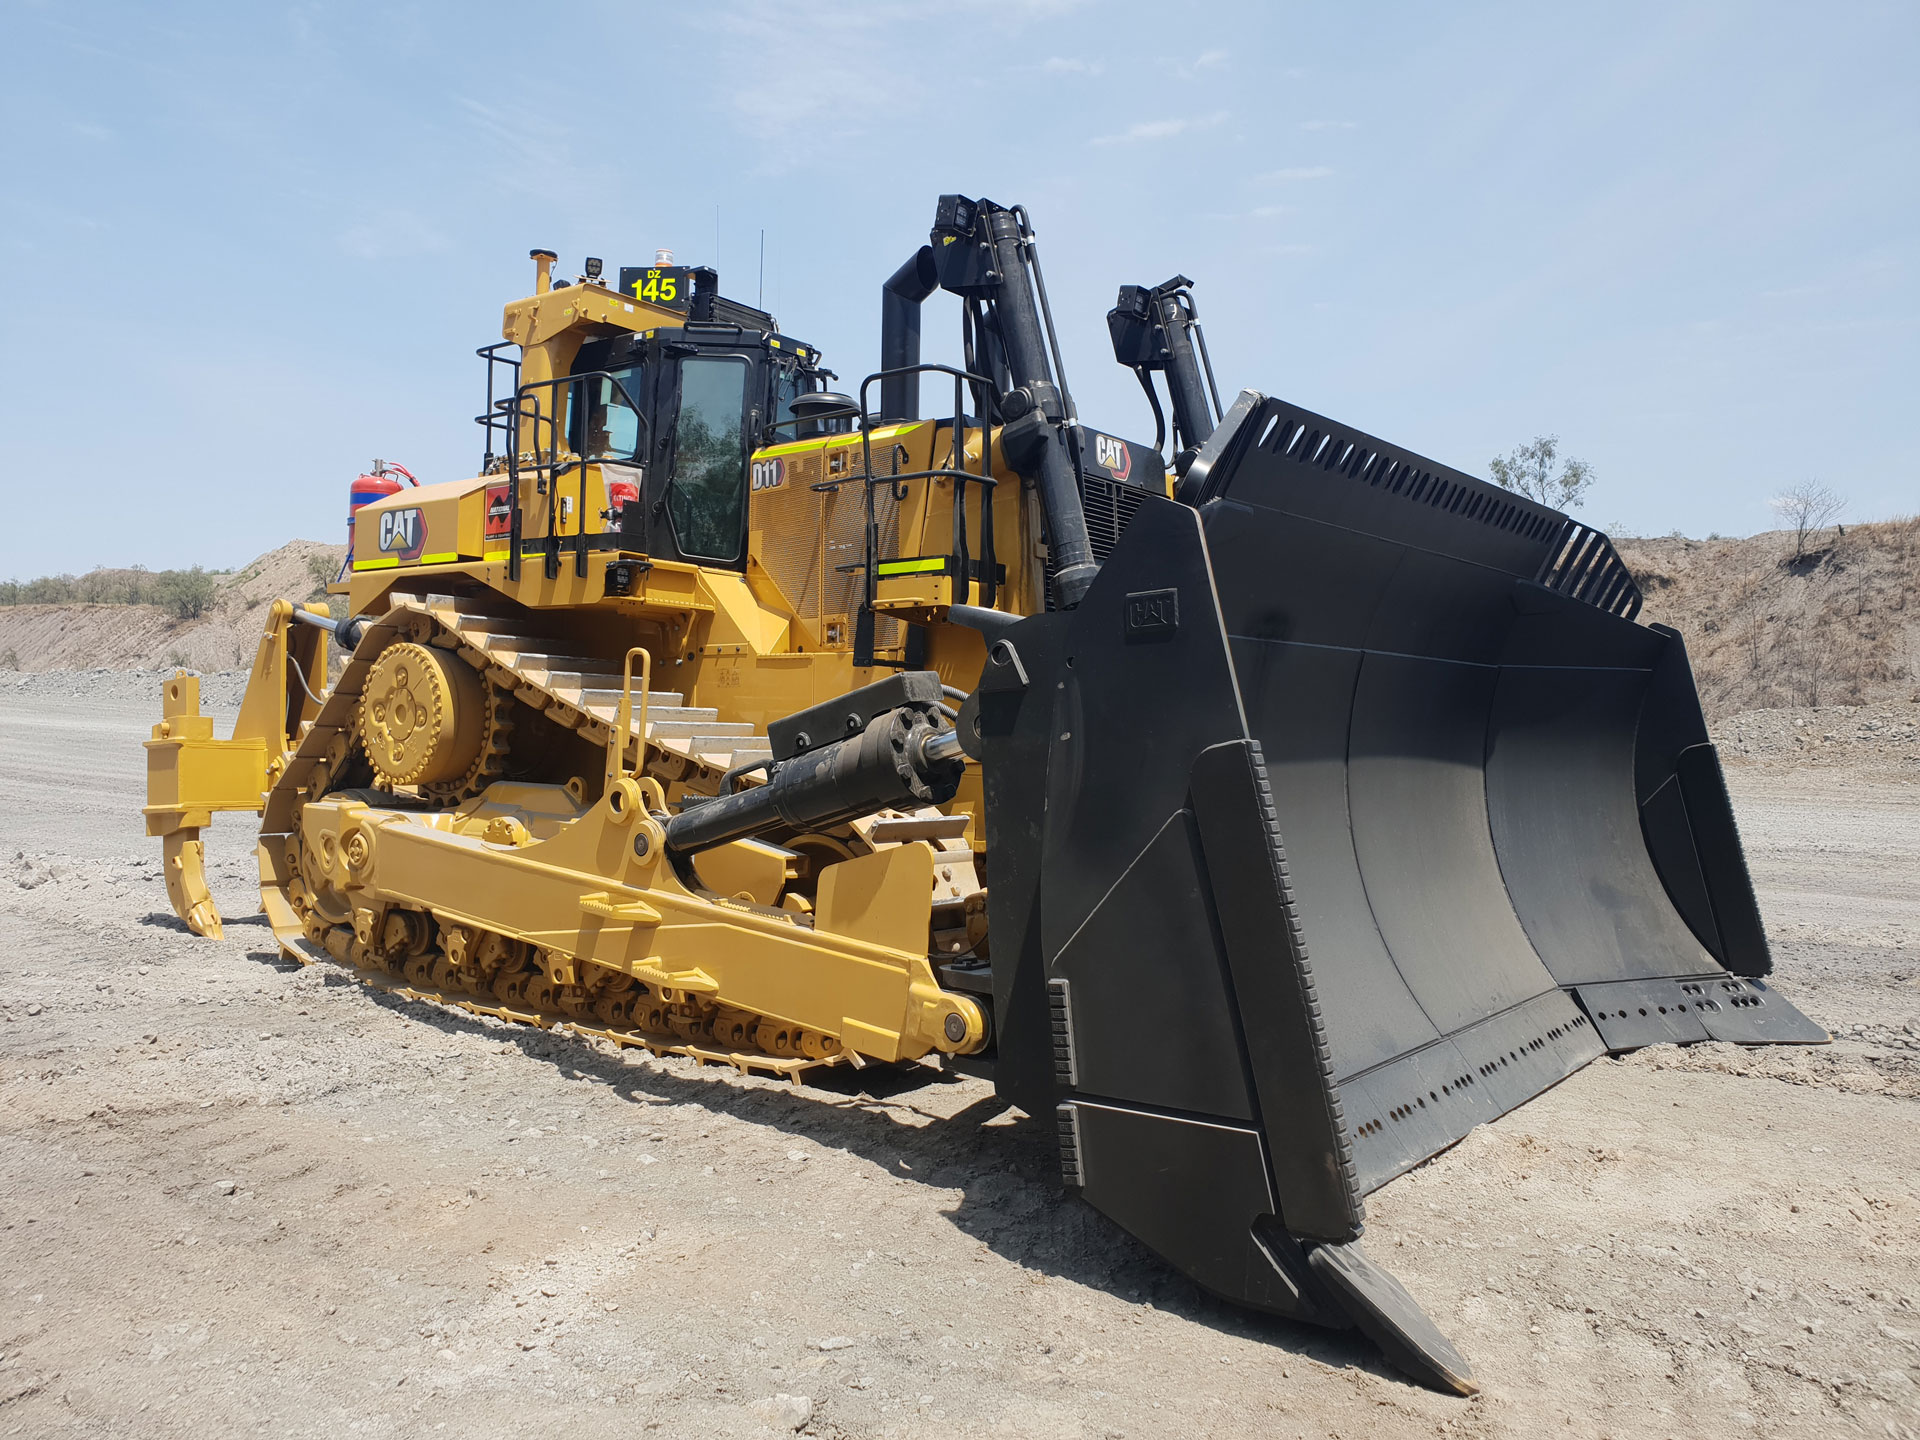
(900, 299)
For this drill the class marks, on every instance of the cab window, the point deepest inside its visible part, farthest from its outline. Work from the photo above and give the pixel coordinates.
(608, 428)
(707, 496)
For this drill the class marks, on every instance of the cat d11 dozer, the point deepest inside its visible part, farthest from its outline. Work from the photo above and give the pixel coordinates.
(1259, 822)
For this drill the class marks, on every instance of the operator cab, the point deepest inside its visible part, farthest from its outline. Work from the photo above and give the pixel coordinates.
(672, 415)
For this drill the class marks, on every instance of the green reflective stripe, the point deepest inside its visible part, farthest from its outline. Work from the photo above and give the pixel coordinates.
(932, 565)
(885, 432)
(388, 562)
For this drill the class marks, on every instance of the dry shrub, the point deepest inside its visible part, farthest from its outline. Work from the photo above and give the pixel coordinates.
(1837, 626)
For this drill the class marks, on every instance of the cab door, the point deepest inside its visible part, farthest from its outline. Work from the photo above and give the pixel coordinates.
(715, 417)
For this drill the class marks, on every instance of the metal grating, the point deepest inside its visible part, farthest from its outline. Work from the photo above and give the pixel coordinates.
(1109, 506)
(1585, 566)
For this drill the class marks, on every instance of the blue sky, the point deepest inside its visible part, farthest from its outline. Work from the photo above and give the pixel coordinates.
(249, 247)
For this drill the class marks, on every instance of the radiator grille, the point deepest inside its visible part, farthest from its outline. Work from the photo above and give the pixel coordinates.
(1110, 507)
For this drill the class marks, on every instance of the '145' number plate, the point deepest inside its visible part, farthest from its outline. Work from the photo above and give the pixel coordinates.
(668, 286)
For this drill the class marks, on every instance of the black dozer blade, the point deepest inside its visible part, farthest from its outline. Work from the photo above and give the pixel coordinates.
(1350, 809)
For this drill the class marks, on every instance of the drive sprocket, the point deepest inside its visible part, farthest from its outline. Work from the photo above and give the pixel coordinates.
(428, 719)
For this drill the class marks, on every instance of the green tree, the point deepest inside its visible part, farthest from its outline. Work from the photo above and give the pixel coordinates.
(1529, 470)
(321, 568)
(187, 594)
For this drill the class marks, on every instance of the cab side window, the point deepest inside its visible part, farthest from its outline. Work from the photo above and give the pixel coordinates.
(607, 427)
(708, 493)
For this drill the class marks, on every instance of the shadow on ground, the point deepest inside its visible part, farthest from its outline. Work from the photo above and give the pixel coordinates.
(167, 920)
(1000, 1160)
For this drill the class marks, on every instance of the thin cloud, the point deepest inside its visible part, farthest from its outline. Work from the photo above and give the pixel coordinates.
(1329, 124)
(1296, 172)
(1065, 65)
(1160, 129)
(1268, 212)
(1210, 60)
(393, 236)
(865, 50)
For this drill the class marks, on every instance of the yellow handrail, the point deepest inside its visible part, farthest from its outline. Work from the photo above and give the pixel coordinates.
(623, 717)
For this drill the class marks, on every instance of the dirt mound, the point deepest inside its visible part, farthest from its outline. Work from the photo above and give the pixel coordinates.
(1838, 625)
(220, 690)
(1877, 740)
(144, 637)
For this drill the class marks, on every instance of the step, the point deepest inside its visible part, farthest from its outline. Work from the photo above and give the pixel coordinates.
(691, 714)
(729, 749)
(538, 650)
(479, 606)
(504, 634)
(561, 669)
(665, 726)
(561, 677)
(660, 726)
(656, 699)
(725, 732)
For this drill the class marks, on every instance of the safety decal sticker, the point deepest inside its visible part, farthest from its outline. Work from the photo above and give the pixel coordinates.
(499, 513)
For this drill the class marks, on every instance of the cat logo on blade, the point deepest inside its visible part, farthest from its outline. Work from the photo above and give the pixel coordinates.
(1112, 454)
(1152, 614)
(769, 474)
(403, 533)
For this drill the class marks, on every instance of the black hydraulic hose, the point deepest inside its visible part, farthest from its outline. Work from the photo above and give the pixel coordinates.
(729, 782)
(300, 674)
(1031, 250)
(1145, 377)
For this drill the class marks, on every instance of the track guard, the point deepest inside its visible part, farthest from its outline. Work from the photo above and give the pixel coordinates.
(1346, 812)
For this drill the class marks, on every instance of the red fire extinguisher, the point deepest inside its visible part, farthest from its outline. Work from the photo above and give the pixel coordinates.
(365, 490)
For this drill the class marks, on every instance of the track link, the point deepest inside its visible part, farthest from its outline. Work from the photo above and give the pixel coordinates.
(411, 956)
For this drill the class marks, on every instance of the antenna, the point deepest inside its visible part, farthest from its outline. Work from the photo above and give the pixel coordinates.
(716, 237)
(762, 301)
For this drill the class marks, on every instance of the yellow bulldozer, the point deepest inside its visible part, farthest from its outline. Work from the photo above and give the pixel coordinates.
(1262, 808)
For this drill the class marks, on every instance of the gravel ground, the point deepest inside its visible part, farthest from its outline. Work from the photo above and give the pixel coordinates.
(1882, 739)
(244, 1197)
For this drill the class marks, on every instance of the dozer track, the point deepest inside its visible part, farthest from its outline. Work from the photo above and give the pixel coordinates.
(413, 957)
